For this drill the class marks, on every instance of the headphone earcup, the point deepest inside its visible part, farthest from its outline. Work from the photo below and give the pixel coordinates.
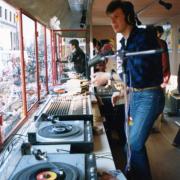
(129, 19)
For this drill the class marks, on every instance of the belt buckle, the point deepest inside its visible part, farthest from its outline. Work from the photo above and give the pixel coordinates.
(136, 89)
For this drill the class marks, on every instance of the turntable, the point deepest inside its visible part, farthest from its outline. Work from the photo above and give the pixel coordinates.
(78, 134)
(56, 167)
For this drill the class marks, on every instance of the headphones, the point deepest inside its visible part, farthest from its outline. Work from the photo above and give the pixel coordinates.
(130, 19)
(128, 10)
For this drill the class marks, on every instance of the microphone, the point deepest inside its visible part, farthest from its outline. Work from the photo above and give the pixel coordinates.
(95, 60)
(106, 53)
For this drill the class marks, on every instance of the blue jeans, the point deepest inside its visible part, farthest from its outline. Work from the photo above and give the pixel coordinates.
(145, 106)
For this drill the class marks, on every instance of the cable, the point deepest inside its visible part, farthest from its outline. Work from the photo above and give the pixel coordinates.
(104, 157)
(103, 153)
(7, 151)
(59, 150)
(146, 7)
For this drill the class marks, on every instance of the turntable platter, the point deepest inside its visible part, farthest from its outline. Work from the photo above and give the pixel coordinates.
(46, 171)
(59, 131)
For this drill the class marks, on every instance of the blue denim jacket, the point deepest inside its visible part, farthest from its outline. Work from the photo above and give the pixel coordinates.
(142, 71)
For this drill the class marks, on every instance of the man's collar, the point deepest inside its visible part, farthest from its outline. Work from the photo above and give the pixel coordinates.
(122, 41)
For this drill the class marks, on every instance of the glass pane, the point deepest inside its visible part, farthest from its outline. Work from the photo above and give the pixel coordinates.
(49, 57)
(10, 73)
(30, 61)
(41, 59)
(167, 35)
(58, 55)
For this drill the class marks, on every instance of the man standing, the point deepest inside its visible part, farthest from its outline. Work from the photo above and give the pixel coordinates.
(77, 57)
(144, 77)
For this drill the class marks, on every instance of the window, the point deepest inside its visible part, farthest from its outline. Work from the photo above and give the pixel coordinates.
(14, 18)
(41, 59)
(66, 54)
(10, 16)
(49, 57)
(5, 14)
(11, 39)
(30, 61)
(0, 11)
(10, 82)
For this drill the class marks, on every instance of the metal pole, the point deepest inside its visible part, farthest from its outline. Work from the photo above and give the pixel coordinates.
(22, 60)
(37, 62)
(45, 58)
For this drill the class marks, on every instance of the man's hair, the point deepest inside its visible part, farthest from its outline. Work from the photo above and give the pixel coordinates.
(159, 29)
(74, 42)
(95, 41)
(127, 8)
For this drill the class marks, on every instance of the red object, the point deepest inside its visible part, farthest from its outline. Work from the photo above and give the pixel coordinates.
(23, 73)
(45, 58)
(1, 120)
(37, 61)
(106, 48)
(165, 63)
(1, 130)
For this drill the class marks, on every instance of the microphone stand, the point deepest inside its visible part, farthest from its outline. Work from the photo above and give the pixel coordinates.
(100, 58)
(123, 55)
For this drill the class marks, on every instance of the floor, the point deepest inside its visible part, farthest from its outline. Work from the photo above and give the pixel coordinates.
(164, 157)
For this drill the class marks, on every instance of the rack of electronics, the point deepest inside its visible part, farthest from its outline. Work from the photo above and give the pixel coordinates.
(60, 142)
(114, 116)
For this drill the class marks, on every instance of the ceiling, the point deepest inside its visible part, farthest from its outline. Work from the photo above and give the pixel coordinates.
(64, 14)
(67, 14)
(149, 11)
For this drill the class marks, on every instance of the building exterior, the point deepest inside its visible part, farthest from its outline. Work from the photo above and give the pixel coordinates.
(8, 27)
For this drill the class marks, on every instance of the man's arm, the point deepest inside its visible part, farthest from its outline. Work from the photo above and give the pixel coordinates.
(100, 78)
(165, 64)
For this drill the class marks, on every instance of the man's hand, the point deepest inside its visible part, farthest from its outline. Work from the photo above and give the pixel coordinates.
(100, 78)
(116, 97)
(119, 85)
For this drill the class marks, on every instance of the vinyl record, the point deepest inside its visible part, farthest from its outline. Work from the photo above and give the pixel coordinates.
(59, 130)
(48, 171)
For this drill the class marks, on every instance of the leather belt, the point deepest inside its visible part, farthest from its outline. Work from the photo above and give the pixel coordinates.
(144, 89)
